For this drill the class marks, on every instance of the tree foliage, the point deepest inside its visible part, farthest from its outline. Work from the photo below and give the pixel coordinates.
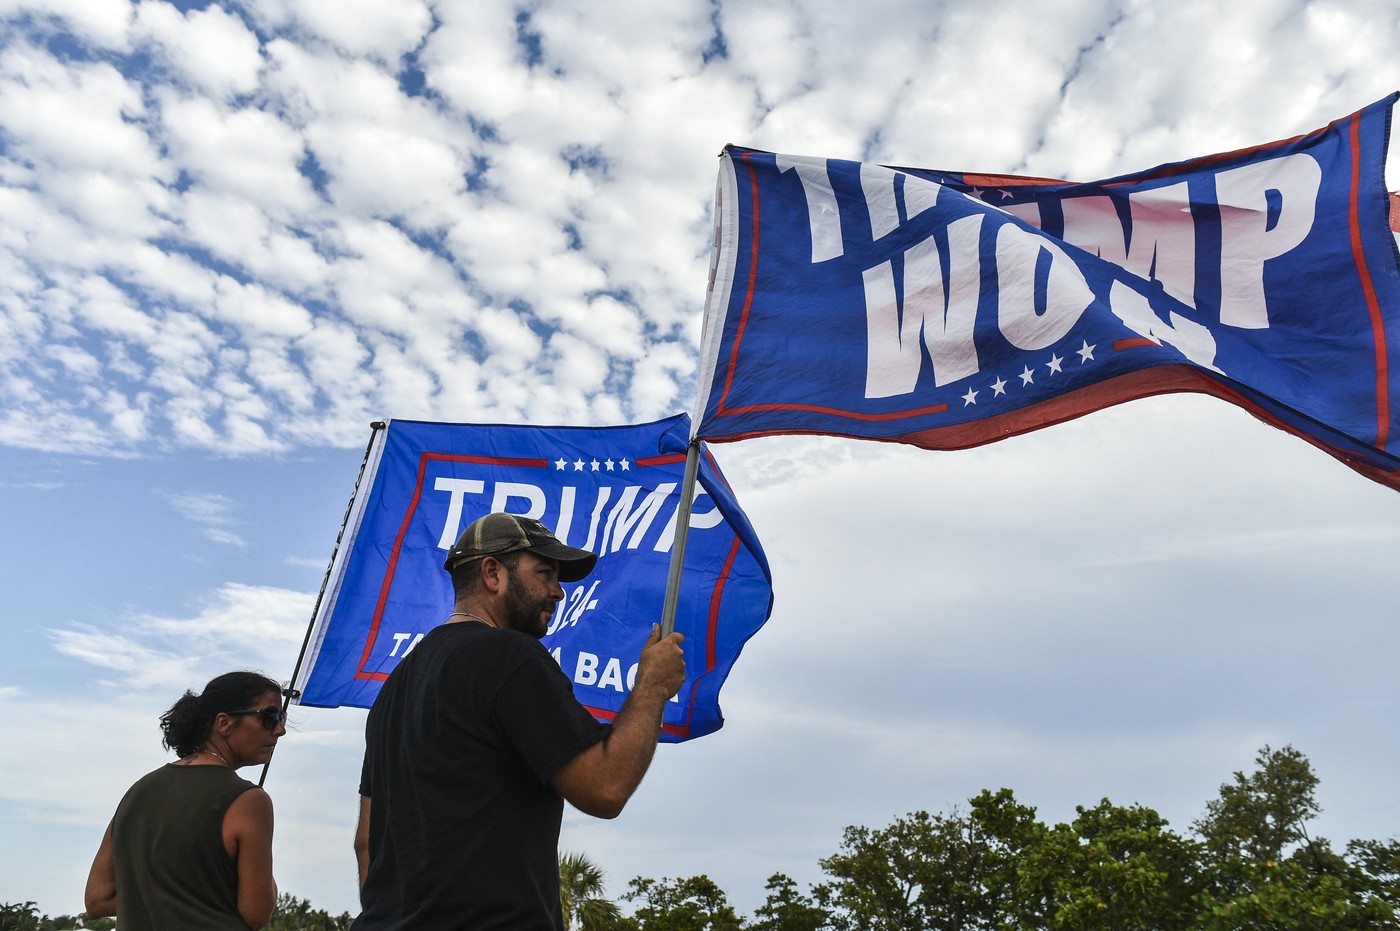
(1112, 867)
(293, 914)
(787, 909)
(1259, 816)
(692, 904)
(581, 897)
(25, 916)
(19, 916)
(1262, 870)
(922, 871)
(1247, 864)
(1250, 864)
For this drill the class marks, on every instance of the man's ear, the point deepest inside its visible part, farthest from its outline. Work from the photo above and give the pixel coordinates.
(493, 575)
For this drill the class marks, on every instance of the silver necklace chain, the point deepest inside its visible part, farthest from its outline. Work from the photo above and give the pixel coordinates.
(217, 754)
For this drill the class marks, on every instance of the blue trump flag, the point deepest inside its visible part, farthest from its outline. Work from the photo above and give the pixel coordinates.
(947, 310)
(612, 490)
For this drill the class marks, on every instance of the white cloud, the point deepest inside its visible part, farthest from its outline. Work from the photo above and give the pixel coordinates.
(537, 236)
(551, 170)
(476, 38)
(244, 152)
(378, 171)
(213, 512)
(83, 115)
(357, 27)
(103, 23)
(241, 626)
(210, 48)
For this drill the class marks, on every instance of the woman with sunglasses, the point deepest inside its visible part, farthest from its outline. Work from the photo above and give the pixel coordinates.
(191, 843)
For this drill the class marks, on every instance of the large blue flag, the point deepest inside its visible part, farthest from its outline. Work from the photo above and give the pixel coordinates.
(948, 310)
(612, 490)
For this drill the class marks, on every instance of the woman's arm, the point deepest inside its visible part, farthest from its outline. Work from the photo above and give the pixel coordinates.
(248, 838)
(100, 896)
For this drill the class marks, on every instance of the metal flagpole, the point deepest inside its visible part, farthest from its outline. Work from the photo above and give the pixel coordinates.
(673, 579)
(290, 691)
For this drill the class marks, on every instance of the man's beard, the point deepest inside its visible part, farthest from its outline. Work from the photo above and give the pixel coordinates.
(526, 614)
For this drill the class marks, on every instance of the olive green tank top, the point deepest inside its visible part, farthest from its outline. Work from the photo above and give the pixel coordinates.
(167, 843)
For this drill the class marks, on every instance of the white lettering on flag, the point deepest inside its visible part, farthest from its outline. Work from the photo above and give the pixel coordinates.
(505, 491)
(878, 184)
(894, 348)
(586, 672)
(567, 494)
(1188, 337)
(457, 488)
(622, 519)
(1163, 241)
(919, 195)
(570, 611)
(1067, 295)
(823, 214)
(1251, 233)
(698, 521)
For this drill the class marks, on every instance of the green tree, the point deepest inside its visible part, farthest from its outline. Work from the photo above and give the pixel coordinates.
(1288, 896)
(1000, 868)
(692, 904)
(1378, 868)
(1262, 870)
(581, 895)
(1260, 815)
(294, 914)
(70, 922)
(19, 916)
(1112, 868)
(1013, 896)
(921, 872)
(25, 916)
(1250, 864)
(786, 909)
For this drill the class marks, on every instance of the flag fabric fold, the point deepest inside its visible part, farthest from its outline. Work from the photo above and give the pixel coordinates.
(613, 490)
(948, 310)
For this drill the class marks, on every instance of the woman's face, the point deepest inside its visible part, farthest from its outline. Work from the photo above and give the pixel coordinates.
(251, 739)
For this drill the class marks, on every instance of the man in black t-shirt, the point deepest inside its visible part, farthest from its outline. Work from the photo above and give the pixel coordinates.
(476, 740)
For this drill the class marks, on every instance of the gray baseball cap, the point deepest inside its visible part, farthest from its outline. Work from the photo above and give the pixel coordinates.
(500, 533)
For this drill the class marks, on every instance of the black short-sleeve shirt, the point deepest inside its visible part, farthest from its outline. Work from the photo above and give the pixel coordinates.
(459, 749)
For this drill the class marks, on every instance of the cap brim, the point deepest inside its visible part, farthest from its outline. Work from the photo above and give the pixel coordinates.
(574, 563)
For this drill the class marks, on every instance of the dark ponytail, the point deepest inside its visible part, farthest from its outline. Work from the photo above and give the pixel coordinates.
(189, 722)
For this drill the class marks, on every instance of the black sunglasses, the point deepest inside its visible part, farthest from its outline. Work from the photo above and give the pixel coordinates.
(271, 717)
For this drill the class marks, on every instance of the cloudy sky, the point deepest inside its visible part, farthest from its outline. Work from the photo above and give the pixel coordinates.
(234, 234)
